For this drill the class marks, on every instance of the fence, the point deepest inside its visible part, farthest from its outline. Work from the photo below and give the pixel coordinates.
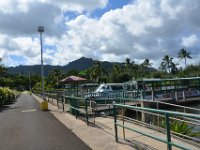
(167, 115)
(86, 109)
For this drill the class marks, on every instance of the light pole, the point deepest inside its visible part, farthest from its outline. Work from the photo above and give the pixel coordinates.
(41, 30)
(30, 82)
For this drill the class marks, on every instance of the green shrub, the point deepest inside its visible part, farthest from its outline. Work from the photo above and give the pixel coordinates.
(6, 95)
(181, 127)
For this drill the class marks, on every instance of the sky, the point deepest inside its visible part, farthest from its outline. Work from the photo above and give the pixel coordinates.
(106, 30)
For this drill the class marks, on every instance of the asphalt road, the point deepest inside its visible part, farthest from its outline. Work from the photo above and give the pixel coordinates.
(23, 126)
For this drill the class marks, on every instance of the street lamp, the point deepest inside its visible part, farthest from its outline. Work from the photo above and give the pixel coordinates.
(41, 30)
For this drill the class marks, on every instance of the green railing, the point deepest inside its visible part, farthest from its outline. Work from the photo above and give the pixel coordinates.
(77, 106)
(167, 123)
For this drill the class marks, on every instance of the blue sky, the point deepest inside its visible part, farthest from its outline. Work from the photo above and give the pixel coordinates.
(112, 4)
(110, 30)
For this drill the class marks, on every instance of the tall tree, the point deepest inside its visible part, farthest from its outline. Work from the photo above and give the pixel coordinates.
(183, 54)
(144, 67)
(174, 68)
(129, 66)
(3, 70)
(54, 77)
(166, 63)
(97, 72)
(128, 61)
(162, 67)
(147, 63)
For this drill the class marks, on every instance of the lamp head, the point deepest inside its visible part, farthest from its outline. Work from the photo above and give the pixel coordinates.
(41, 29)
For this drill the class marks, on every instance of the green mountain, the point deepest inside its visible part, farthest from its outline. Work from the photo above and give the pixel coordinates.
(79, 64)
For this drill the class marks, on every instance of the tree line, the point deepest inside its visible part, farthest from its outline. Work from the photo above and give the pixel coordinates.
(121, 72)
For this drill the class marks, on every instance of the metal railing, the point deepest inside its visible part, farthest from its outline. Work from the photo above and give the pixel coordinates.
(167, 115)
(184, 109)
(86, 109)
(79, 107)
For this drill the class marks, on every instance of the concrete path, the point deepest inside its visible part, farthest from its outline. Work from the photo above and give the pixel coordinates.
(23, 126)
(94, 136)
(101, 135)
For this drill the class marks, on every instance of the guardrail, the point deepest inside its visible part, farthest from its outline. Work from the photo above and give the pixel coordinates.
(184, 109)
(86, 109)
(79, 107)
(167, 122)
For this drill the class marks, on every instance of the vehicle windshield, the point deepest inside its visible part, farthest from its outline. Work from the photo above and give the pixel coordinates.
(117, 87)
(99, 88)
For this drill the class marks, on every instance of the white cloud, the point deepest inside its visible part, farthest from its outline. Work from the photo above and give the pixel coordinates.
(11, 6)
(142, 29)
(190, 41)
(79, 5)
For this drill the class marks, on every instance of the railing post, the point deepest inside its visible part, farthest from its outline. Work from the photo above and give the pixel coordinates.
(115, 122)
(86, 111)
(158, 116)
(48, 96)
(169, 146)
(56, 96)
(123, 112)
(63, 103)
(94, 111)
(76, 112)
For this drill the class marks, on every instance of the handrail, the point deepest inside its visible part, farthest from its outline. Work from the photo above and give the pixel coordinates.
(164, 112)
(159, 111)
(178, 106)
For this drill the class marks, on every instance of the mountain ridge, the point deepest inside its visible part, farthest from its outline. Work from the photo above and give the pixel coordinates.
(80, 64)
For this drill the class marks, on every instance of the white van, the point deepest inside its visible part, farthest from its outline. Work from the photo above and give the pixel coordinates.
(109, 90)
(110, 87)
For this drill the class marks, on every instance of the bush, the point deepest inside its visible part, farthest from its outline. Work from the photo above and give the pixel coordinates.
(6, 95)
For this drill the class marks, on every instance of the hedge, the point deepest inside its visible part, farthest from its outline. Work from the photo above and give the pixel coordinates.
(7, 95)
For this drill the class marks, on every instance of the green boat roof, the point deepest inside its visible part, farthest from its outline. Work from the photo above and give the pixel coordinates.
(170, 79)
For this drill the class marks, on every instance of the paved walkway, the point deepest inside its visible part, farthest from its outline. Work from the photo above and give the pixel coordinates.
(101, 135)
(23, 126)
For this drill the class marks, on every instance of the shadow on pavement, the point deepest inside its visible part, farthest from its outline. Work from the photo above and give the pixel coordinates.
(8, 106)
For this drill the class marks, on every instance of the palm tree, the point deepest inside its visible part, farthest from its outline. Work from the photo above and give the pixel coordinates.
(129, 66)
(116, 69)
(97, 71)
(167, 63)
(174, 68)
(162, 67)
(144, 66)
(183, 54)
(147, 63)
(115, 73)
(54, 77)
(128, 61)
